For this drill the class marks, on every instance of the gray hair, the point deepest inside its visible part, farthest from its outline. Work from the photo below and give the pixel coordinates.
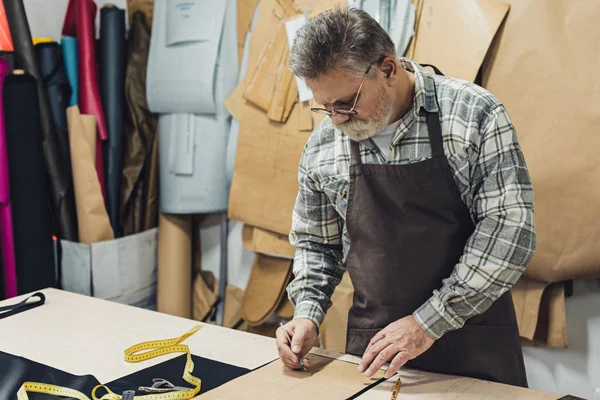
(349, 39)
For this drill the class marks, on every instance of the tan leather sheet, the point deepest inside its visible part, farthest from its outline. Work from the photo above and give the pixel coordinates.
(539, 68)
(541, 313)
(455, 35)
(265, 183)
(266, 287)
(326, 379)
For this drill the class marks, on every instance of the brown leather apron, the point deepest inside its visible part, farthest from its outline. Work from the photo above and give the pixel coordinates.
(408, 227)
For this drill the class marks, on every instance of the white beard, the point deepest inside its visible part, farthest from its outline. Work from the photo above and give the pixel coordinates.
(362, 130)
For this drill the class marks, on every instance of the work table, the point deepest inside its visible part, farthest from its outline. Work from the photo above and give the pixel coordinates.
(85, 335)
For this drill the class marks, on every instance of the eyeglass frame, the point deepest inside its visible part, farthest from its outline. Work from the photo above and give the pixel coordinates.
(344, 111)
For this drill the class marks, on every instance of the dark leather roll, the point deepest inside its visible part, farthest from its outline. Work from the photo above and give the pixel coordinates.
(31, 213)
(139, 187)
(56, 161)
(112, 90)
(58, 90)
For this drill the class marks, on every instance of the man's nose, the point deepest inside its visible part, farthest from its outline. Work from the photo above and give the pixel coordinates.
(339, 118)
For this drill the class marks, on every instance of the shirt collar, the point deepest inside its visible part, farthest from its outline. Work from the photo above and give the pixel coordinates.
(424, 86)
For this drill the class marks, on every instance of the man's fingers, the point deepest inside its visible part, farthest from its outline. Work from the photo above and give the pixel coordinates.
(401, 358)
(298, 339)
(382, 357)
(371, 353)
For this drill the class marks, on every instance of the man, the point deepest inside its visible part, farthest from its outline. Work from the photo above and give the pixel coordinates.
(416, 185)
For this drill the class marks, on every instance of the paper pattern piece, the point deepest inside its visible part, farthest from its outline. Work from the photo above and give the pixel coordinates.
(193, 148)
(246, 11)
(541, 312)
(455, 35)
(180, 76)
(265, 185)
(326, 378)
(291, 27)
(266, 287)
(190, 21)
(266, 242)
(561, 152)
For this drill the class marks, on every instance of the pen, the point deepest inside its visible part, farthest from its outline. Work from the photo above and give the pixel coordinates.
(289, 339)
(396, 389)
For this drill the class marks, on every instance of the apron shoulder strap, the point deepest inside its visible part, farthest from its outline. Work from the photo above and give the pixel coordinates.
(434, 127)
(354, 153)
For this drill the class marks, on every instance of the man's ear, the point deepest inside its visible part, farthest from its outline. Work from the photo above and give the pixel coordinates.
(389, 67)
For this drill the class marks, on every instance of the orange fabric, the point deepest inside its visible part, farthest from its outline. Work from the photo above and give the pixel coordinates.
(5, 38)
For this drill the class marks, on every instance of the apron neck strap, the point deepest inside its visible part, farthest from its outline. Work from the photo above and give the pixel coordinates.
(434, 127)
(354, 153)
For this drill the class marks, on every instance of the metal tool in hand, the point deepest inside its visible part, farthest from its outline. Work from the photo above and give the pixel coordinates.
(289, 339)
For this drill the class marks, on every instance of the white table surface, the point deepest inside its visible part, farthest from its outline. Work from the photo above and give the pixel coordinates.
(94, 333)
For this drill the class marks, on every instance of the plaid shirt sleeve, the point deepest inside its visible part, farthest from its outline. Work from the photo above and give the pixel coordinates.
(317, 235)
(503, 242)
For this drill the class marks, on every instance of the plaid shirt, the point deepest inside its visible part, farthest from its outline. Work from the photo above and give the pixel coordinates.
(489, 170)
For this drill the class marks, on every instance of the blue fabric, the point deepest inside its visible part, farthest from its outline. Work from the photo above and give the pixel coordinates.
(69, 50)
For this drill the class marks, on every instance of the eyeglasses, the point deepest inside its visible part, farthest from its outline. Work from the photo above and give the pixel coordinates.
(343, 111)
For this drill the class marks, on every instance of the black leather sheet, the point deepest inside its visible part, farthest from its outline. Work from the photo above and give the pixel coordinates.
(15, 370)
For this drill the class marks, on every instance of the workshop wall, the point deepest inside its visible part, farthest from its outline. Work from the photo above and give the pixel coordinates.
(575, 370)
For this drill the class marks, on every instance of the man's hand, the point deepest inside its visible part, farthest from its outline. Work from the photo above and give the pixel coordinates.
(304, 335)
(402, 340)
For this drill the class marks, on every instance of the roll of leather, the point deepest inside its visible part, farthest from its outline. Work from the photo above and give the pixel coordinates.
(56, 164)
(174, 287)
(58, 90)
(7, 246)
(68, 45)
(112, 88)
(31, 214)
(139, 185)
(89, 94)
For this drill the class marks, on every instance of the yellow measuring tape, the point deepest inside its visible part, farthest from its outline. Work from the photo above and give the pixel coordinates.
(147, 351)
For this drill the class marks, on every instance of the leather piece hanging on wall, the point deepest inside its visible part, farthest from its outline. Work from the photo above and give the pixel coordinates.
(266, 288)
(541, 313)
(139, 186)
(56, 161)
